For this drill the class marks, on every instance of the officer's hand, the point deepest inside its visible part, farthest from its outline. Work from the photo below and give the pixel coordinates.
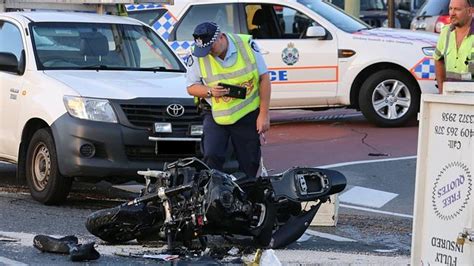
(219, 91)
(263, 123)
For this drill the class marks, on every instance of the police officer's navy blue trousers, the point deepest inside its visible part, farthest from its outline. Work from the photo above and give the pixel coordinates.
(244, 137)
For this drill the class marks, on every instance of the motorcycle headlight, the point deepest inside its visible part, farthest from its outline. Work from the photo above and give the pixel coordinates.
(428, 51)
(90, 109)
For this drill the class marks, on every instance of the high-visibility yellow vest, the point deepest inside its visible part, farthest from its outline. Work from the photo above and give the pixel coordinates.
(459, 63)
(227, 110)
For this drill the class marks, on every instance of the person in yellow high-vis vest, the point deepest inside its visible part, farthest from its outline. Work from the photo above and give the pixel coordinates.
(233, 59)
(454, 59)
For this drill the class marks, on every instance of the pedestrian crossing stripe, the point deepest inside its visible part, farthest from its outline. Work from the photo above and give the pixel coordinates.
(366, 197)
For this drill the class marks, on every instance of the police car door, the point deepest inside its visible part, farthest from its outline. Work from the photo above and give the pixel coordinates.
(10, 87)
(303, 71)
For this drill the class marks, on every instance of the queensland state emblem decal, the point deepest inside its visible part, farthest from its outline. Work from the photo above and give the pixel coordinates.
(290, 54)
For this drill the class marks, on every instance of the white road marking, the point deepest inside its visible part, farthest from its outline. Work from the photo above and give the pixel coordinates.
(285, 256)
(329, 236)
(303, 238)
(7, 261)
(386, 250)
(376, 211)
(26, 240)
(366, 197)
(366, 161)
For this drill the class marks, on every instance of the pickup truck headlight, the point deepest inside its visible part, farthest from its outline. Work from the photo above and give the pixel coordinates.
(428, 51)
(90, 109)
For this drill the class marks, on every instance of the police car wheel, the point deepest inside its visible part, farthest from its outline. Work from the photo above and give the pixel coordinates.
(389, 98)
(42, 173)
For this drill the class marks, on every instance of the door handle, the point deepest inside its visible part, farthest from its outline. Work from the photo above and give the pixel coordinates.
(264, 52)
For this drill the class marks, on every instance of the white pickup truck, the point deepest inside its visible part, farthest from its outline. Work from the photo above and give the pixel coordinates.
(81, 93)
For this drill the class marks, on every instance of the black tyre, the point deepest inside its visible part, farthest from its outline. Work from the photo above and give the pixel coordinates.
(124, 223)
(105, 225)
(389, 98)
(42, 173)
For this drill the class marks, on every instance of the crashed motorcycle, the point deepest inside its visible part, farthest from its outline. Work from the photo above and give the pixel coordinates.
(188, 201)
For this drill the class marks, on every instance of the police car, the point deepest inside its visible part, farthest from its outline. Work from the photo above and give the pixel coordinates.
(318, 56)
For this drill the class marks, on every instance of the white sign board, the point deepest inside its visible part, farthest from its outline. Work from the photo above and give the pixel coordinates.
(444, 196)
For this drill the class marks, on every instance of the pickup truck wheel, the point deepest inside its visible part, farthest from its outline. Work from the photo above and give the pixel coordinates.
(42, 173)
(389, 98)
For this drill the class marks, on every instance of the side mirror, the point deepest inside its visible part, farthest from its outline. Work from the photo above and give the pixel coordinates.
(315, 32)
(9, 63)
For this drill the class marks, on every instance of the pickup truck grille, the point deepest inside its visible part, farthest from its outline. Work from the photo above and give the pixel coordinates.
(141, 114)
(167, 151)
(145, 115)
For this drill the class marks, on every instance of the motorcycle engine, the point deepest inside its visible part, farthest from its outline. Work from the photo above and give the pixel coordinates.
(213, 205)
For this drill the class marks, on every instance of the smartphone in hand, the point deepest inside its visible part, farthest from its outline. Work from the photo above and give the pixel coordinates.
(235, 91)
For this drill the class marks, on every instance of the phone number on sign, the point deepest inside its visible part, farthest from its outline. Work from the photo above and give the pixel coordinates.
(461, 118)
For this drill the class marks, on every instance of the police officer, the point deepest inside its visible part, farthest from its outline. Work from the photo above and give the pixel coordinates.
(220, 57)
(453, 53)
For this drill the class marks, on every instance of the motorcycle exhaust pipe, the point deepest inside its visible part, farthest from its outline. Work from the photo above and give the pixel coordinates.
(293, 229)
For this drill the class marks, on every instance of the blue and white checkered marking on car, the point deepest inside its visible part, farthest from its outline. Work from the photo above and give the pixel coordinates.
(164, 26)
(143, 7)
(425, 69)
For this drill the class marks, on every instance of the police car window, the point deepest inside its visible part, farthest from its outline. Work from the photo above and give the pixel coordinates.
(262, 22)
(14, 45)
(335, 16)
(292, 23)
(149, 16)
(223, 14)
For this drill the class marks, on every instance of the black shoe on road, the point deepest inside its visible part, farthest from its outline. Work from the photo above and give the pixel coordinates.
(55, 245)
(84, 252)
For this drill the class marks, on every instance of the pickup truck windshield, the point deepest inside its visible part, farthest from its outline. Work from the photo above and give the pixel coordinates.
(97, 46)
(335, 16)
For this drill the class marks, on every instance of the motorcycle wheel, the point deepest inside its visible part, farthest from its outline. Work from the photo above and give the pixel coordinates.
(124, 223)
(105, 225)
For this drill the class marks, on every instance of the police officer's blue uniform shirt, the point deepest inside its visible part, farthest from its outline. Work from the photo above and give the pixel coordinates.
(194, 74)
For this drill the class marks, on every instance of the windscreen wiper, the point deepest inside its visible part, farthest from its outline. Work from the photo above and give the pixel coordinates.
(159, 69)
(94, 67)
(104, 67)
(366, 28)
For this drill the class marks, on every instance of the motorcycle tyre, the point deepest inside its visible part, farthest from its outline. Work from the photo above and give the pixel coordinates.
(104, 225)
